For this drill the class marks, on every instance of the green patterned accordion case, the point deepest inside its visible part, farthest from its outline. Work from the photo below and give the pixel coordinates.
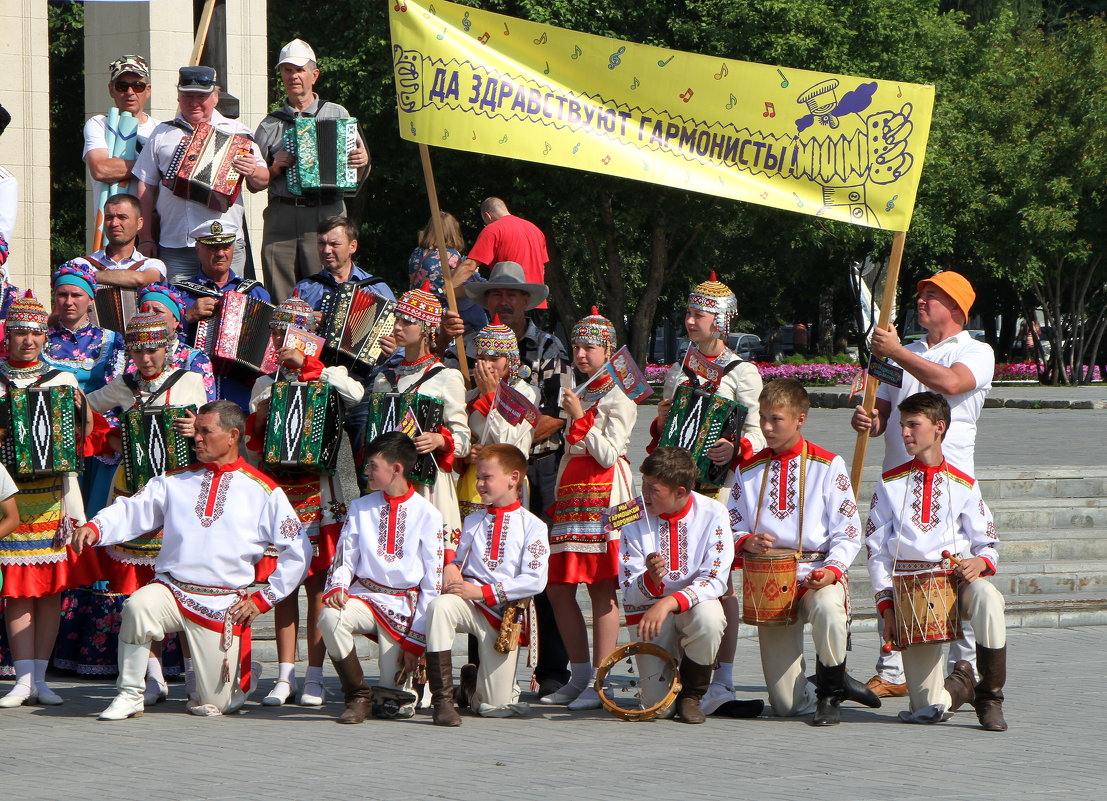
(387, 411)
(44, 429)
(696, 422)
(320, 151)
(152, 446)
(304, 431)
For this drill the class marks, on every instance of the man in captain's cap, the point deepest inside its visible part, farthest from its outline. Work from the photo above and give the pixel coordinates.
(197, 96)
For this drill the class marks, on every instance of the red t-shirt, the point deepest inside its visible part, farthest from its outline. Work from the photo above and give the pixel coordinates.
(512, 238)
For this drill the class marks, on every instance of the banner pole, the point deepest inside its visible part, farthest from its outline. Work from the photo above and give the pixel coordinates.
(891, 281)
(443, 256)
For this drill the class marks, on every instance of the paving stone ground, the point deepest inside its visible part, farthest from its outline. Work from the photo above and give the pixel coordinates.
(1055, 691)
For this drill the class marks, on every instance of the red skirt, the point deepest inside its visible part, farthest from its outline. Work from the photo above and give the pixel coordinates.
(126, 578)
(573, 567)
(51, 578)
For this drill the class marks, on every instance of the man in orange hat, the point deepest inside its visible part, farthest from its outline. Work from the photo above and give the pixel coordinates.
(947, 361)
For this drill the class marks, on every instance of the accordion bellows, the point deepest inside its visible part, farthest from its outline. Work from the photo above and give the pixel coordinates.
(304, 429)
(696, 422)
(354, 321)
(115, 306)
(237, 338)
(43, 430)
(321, 155)
(201, 169)
(152, 446)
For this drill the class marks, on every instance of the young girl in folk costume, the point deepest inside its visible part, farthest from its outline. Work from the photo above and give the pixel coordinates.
(711, 309)
(594, 475)
(418, 315)
(497, 352)
(317, 499)
(38, 563)
(155, 384)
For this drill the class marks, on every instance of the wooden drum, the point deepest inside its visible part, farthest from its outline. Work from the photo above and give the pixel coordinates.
(769, 588)
(926, 608)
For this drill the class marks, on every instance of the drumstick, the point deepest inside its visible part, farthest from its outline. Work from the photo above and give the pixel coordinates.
(886, 648)
(817, 574)
(951, 558)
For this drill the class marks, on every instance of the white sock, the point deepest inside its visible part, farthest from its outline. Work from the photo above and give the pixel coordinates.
(286, 671)
(579, 672)
(314, 675)
(724, 674)
(153, 670)
(40, 670)
(592, 679)
(24, 677)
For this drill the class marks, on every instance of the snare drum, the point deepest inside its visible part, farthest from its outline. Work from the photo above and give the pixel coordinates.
(926, 608)
(769, 588)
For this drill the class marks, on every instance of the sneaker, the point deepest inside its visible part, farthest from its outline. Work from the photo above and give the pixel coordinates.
(883, 688)
(588, 699)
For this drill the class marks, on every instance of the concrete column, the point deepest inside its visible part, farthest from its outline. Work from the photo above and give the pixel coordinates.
(25, 145)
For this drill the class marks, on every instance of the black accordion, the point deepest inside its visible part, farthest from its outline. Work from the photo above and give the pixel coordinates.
(151, 445)
(354, 321)
(43, 432)
(304, 430)
(236, 338)
(387, 411)
(115, 306)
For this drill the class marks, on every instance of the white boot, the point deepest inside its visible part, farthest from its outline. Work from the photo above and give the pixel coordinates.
(131, 684)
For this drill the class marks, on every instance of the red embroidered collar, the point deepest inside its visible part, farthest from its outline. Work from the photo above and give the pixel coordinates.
(397, 499)
(792, 452)
(230, 467)
(672, 517)
(503, 510)
(18, 365)
(420, 360)
(929, 470)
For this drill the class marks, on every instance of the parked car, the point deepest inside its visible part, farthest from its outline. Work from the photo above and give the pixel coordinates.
(748, 346)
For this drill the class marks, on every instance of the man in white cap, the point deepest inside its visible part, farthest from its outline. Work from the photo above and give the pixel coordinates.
(288, 246)
(129, 87)
(197, 96)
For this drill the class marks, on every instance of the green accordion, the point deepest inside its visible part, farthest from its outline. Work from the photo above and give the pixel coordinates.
(696, 422)
(387, 412)
(152, 446)
(321, 151)
(43, 432)
(304, 430)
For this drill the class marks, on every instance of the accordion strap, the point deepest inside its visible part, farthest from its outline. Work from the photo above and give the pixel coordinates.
(196, 288)
(247, 285)
(691, 374)
(131, 380)
(394, 381)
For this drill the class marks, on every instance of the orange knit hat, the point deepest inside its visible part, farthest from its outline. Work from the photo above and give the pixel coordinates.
(956, 286)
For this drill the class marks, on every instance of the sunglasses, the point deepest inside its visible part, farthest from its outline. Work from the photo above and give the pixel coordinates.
(138, 86)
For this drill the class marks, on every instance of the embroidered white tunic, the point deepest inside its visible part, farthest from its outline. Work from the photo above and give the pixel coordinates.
(504, 550)
(698, 546)
(389, 557)
(216, 525)
(831, 525)
(917, 512)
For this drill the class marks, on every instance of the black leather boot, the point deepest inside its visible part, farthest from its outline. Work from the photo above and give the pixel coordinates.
(830, 688)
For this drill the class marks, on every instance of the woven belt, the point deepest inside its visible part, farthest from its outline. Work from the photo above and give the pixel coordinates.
(812, 556)
(226, 639)
(373, 586)
(202, 589)
(918, 566)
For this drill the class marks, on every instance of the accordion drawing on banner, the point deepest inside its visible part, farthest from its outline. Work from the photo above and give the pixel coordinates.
(304, 430)
(43, 428)
(151, 445)
(236, 338)
(386, 413)
(696, 422)
(320, 152)
(354, 321)
(201, 169)
(114, 307)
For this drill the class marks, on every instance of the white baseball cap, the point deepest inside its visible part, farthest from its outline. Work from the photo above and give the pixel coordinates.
(297, 53)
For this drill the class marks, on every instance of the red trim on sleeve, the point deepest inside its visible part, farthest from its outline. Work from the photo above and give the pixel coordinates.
(836, 571)
(312, 369)
(449, 554)
(483, 404)
(581, 427)
(96, 529)
(446, 452)
(991, 570)
(883, 606)
(253, 441)
(259, 599)
(655, 436)
(743, 451)
(96, 443)
(489, 595)
(656, 590)
(683, 604)
(332, 592)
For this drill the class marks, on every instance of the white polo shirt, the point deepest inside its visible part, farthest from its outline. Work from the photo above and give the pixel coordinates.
(960, 441)
(179, 216)
(96, 139)
(101, 257)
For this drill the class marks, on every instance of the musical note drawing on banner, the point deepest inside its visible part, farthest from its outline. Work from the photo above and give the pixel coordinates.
(474, 136)
(466, 23)
(799, 203)
(401, 7)
(606, 159)
(576, 147)
(722, 73)
(635, 84)
(549, 147)
(542, 39)
(412, 126)
(900, 93)
(507, 30)
(665, 62)
(770, 110)
(547, 70)
(614, 60)
(442, 35)
(645, 166)
(686, 96)
(764, 195)
(733, 101)
(891, 203)
(504, 140)
(484, 39)
(577, 51)
(783, 80)
(445, 134)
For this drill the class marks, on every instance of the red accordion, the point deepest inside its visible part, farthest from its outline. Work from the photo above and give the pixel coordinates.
(201, 169)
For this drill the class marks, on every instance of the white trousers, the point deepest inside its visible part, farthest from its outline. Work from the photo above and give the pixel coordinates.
(923, 665)
(338, 628)
(150, 614)
(695, 633)
(782, 649)
(448, 615)
(890, 666)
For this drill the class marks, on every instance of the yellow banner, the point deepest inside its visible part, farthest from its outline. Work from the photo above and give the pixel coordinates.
(835, 146)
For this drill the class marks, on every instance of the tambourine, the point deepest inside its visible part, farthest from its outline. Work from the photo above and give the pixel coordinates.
(625, 652)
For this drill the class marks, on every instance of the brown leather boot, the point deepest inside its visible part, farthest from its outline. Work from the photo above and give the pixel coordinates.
(989, 692)
(959, 685)
(694, 679)
(440, 678)
(358, 695)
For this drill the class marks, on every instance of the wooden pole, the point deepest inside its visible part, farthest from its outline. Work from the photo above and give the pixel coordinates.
(202, 34)
(887, 301)
(443, 255)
